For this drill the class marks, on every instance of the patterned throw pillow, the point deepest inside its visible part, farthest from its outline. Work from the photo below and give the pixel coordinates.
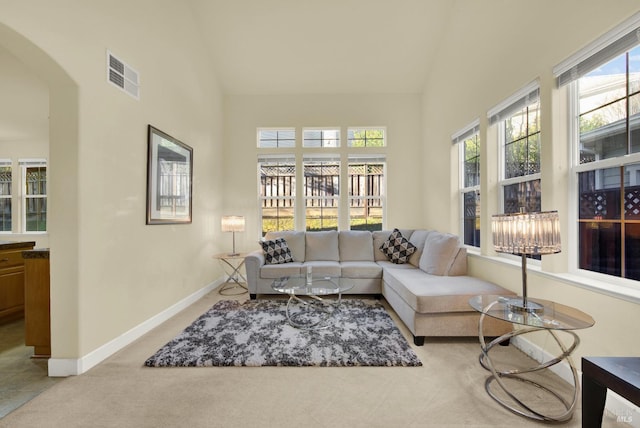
(397, 248)
(276, 251)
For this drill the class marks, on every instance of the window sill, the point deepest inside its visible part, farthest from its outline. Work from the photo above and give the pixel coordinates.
(629, 293)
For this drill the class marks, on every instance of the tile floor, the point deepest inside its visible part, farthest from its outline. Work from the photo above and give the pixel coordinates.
(21, 377)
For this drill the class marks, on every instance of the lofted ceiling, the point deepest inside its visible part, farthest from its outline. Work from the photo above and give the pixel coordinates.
(322, 46)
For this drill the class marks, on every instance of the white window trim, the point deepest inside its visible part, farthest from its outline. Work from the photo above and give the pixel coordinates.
(522, 97)
(466, 132)
(599, 45)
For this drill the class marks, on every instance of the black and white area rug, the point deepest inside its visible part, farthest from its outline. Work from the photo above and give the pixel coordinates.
(256, 333)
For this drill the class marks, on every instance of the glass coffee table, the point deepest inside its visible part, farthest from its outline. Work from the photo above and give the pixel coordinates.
(307, 307)
(552, 318)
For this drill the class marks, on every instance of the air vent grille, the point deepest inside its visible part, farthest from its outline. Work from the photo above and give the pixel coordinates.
(123, 76)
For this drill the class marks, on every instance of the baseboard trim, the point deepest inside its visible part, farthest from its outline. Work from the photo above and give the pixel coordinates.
(615, 406)
(63, 367)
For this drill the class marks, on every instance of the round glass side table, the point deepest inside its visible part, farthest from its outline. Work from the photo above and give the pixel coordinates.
(551, 318)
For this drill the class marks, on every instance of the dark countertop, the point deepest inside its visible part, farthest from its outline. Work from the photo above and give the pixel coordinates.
(11, 245)
(36, 253)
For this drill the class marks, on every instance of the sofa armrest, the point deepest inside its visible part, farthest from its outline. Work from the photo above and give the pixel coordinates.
(253, 262)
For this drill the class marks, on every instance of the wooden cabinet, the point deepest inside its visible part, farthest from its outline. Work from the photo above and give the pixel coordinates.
(37, 313)
(12, 279)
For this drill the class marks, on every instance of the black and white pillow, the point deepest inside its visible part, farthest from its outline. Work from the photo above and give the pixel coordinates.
(397, 248)
(276, 251)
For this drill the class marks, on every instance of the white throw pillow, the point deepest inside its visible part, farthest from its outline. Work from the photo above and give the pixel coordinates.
(440, 250)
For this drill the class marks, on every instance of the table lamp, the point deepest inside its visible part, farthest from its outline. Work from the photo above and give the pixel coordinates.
(526, 234)
(233, 224)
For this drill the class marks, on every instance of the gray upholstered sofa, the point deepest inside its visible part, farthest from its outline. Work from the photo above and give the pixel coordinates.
(430, 292)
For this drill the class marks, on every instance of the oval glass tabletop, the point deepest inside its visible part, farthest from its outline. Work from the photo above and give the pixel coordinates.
(552, 315)
(319, 286)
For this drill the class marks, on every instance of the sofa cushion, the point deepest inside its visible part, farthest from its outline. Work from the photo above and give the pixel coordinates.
(397, 247)
(418, 238)
(355, 245)
(322, 246)
(440, 250)
(295, 241)
(278, 271)
(276, 251)
(426, 293)
(361, 269)
(324, 268)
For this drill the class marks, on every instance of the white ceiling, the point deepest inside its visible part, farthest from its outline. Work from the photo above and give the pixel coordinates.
(322, 46)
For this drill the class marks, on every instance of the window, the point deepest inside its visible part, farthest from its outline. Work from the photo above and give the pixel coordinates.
(34, 206)
(321, 192)
(608, 184)
(366, 137)
(366, 192)
(276, 138)
(468, 140)
(321, 138)
(519, 132)
(277, 192)
(604, 81)
(5, 195)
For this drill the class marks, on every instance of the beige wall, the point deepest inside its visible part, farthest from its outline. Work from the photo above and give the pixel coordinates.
(400, 114)
(110, 271)
(485, 57)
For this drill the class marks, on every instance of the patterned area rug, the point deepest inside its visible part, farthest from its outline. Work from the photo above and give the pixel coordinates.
(256, 333)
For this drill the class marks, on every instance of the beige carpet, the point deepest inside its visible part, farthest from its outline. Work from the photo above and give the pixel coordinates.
(448, 390)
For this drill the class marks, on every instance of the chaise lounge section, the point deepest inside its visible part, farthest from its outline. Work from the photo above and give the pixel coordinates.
(422, 274)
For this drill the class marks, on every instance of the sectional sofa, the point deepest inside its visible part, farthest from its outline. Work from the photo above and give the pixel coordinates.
(421, 273)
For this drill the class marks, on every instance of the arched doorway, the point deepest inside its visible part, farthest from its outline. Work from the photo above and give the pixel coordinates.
(62, 215)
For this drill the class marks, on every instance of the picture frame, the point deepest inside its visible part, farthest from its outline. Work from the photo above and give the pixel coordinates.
(169, 179)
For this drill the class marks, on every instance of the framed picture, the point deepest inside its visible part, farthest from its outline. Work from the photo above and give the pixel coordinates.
(169, 179)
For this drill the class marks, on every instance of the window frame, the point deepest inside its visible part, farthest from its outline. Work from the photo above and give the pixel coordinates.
(280, 160)
(460, 138)
(322, 161)
(277, 140)
(322, 139)
(610, 45)
(365, 129)
(367, 160)
(7, 163)
(498, 117)
(576, 168)
(25, 164)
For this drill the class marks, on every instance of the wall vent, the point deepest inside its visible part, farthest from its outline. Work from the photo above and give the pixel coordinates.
(123, 76)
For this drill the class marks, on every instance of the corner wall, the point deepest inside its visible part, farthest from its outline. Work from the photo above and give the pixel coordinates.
(484, 59)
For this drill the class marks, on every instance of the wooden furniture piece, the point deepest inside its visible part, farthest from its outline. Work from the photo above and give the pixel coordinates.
(12, 279)
(619, 374)
(37, 314)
